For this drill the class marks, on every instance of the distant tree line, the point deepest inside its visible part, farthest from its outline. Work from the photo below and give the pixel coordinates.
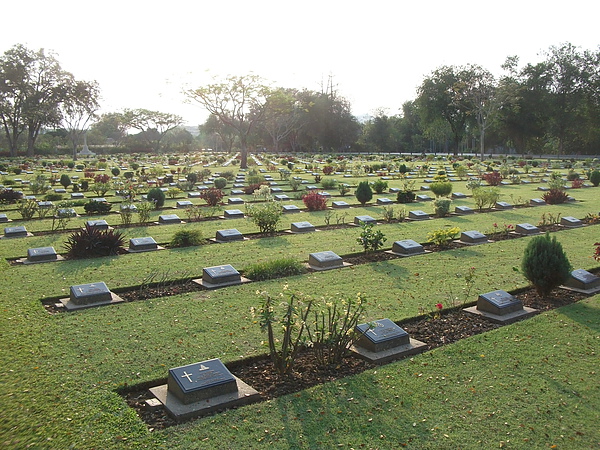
(551, 107)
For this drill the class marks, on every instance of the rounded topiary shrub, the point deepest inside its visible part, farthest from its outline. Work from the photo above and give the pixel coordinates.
(441, 188)
(406, 197)
(545, 264)
(595, 177)
(156, 196)
(220, 183)
(363, 192)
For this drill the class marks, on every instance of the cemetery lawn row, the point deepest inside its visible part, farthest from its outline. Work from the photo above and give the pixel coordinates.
(60, 372)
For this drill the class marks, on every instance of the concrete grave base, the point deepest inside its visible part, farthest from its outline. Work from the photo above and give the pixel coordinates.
(182, 412)
(458, 241)
(17, 237)
(341, 266)
(302, 232)
(158, 247)
(582, 291)
(70, 306)
(220, 241)
(503, 319)
(406, 255)
(207, 285)
(26, 261)
(390, 354)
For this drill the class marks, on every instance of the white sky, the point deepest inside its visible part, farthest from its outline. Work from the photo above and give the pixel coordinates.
(144, 53)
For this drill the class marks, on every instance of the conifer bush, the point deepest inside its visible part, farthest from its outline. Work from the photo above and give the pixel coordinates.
(545, 264)
(363, 192)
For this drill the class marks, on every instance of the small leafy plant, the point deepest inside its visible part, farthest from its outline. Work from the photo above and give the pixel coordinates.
(443, 236)
(277, 268)
(370, 239)
(187, 238)
(314, 201)
(212, 196)
(265, 216)
(555, 196)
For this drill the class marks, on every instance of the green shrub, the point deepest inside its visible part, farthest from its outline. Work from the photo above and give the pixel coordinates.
(379, 186)
(212, 196)
(328, 183)
(93, 242)
(545, 264)
(277, 268)
(343, 189)
(94, 206)
(555, 196)
(442, 207)
(143, 210)
(156, 196)
(370, 239)
(265, 216)
(406, 197)
(27, 208)
(443, 236)
(441, 188)
(486, 197)
(173, 192)
(220, 182)
(187, 238)
(65, 181)
(595, 177)
(363, 192)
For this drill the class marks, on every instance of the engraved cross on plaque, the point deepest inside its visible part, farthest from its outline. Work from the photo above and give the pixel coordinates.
(187, 375)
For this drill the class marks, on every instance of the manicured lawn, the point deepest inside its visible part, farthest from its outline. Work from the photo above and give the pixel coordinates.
(533, 384)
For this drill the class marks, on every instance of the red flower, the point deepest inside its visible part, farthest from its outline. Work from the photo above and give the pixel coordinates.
(439, 306)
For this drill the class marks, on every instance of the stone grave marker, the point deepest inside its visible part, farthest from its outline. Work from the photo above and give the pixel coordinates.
(458, 195)
(168, 219)
(88, 295)
(220, 276)
(500, 307)
(233, 214)
(570, 222)
(237, 192)
(311, 187)
(281, 197)
(340, 204)
(128, 207)
(276, 190)
(290, 209)
(394, 190)
(325, 194)
(41, 254)
(418, 215)
(359, 220)
(77, 195)
(407, 247)
(184, 204)
(99, 199)
(424, 198)
(543, 188)
(99, 224)
(583, 281)
(302, 227)
(385, 341)
(325, 260)
(235, 201)
(229, 235)
(463, 210)
(4, 218)
(45, 205)
(201, 388)
(536, 202)
(473, 237)
(425, 188)
(503, 205)
(60, 191)
(384, 201)
(16, 232)
(143, 244)
(66, 212)
(526, 228)
(194, 194)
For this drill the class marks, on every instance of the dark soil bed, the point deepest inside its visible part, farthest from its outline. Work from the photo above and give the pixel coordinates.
(434, 331)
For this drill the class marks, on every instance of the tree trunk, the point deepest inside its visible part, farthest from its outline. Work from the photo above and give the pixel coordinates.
(482, 142)
(244, 151)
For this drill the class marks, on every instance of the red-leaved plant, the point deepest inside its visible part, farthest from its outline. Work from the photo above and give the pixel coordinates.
(314, 201)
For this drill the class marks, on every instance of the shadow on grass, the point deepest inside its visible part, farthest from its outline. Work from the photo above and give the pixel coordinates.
(584, 313)
(77, 266)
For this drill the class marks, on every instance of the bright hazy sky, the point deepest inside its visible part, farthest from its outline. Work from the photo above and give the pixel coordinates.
(144, 53)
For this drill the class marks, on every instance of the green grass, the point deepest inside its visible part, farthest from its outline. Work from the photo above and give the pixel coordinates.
(529, 385)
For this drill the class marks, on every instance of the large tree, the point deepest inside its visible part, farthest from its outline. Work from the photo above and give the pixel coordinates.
(283, 116)
(153, 125)
(79, 109)
(110, 128)
(238, 101)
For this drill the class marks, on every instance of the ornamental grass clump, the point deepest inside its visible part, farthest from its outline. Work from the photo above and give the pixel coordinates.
(91, 242)
(187, 238)
(545, 264)
(276, 268)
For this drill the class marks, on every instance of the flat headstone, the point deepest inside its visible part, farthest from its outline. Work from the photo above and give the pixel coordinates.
(325, 194)
(325, 260)
(302, 227)
(129, 208)
(383, 336)
(89, 294)
(583, 280)
(384, 201)
(100, 224)
(543, 188)
(77, 195)
(364, 219)
(233, 214)
(66, 212)
(235, 201)
(418, 215)
(200, 381)
(229, 235)
(184, 204)
(281, 197)
(99, 199)
(473, 237)
(168, 219)
(499, 303)
(142, 244)
(276, 190)
(41, 254)
(407, 247)
(45, 204)
(394, 190)
(463, 210)
(238, 185)
(194, 194)
(537, 202)
(60, 191)
(290, 209)
(458, 195)
(3, 218)
(221, 275)
(311, 188)
(15, 232)
(340, 204)
(570, 222)
(237, 192)
(424, 198)
(425, 188)
(526, 228)
(503, 205)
